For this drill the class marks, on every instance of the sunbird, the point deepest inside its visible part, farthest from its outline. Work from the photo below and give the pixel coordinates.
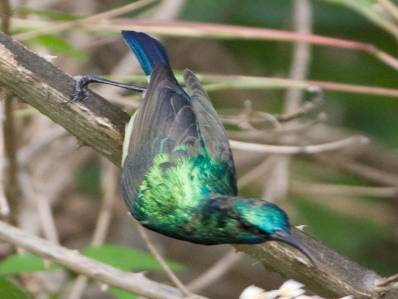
(178, 174)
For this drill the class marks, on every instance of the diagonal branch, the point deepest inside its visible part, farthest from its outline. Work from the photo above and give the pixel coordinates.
(99, 124)
(71, 259)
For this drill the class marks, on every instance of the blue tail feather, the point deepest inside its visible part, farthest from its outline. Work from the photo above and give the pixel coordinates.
(149, 51)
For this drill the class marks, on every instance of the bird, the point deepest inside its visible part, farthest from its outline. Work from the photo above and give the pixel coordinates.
(178, 175)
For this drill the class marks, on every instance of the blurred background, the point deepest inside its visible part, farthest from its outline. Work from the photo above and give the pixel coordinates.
(347, 198)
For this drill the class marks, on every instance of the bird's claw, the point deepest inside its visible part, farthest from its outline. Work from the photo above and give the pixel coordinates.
(79, 95)
(81, 91)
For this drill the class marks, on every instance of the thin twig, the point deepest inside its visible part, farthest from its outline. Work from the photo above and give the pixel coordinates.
(215, 272)
(95, 18)
(4, 206)
(294, 150)
(302, 109)
(5, 15)
(368, 172)
(215, 82)
(12, 189)
(388, 283)
(222, 31)
(277, 184)
(72, 260)
(162, 262)
(255, 172)
(29, 191)
(28, 152)
(390, 7)
(344, 190)
(109, 183)
(192, 29)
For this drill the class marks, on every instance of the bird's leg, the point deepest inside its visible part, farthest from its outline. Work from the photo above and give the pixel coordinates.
(81, 87)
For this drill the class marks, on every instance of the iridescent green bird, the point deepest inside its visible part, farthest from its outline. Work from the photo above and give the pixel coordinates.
(178, 175)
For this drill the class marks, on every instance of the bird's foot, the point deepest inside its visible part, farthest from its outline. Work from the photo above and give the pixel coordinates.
(81, 91)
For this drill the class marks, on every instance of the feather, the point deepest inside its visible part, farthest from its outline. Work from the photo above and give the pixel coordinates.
(148, 50)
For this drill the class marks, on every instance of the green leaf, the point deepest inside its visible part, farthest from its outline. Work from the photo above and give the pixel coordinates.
(127, 259)
(121, 294)
(9, 290)
(371, 10)
(23, 263)
(58, 45)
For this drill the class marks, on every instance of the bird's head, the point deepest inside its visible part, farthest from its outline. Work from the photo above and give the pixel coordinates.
(268, 222)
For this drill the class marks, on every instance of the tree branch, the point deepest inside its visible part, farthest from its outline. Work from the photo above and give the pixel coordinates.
(99, 124)
(95, 122)
(71, 259)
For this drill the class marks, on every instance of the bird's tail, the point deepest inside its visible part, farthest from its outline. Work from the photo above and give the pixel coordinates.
(149, 51)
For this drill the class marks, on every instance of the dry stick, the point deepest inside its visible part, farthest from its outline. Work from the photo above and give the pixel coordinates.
(12, 189)
(162, 262)
(221, 31)
(388, 282)
(368, 172)
(344, 190)
(255, 172)
(214, 273)
(252, 82)
(5, 15)
(215, 82)
(301, 110)
(26, 154)
(100, 125)
(295, 150)
(109, 183)
(95, 18)
(4, 206)
(271, 134)
(390, 7)
(276, 186)
(71, 259)
(377, 212)
(29, 192)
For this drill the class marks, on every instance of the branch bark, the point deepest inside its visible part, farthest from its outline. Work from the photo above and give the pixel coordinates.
(95, 122)
(71, 259)
(100, 125)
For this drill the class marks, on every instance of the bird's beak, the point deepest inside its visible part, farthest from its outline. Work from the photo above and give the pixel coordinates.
(287, 238)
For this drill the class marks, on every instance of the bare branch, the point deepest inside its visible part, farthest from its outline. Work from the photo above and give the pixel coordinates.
(344, 190)
(96, 122)
(72, 260)
(292, 150)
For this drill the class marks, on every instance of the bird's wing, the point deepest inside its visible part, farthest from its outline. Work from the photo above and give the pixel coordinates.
(211, 129)
(165, 121)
